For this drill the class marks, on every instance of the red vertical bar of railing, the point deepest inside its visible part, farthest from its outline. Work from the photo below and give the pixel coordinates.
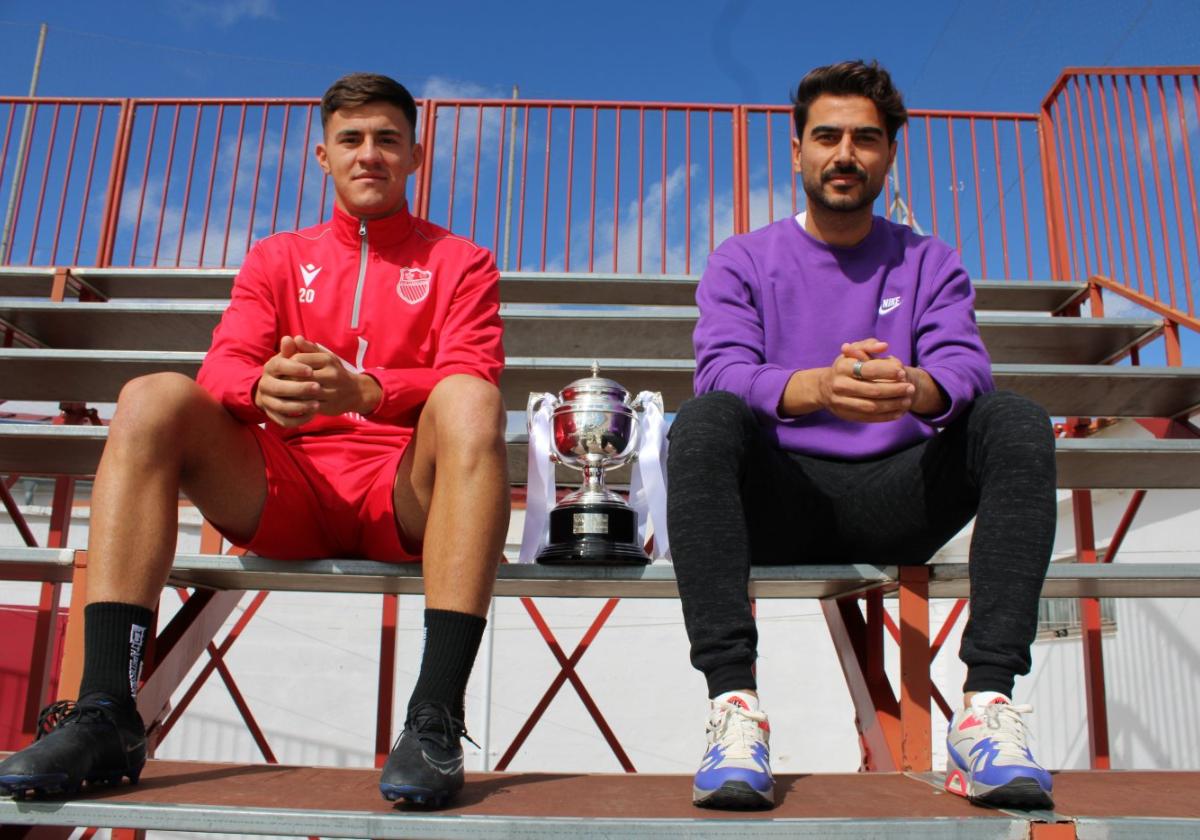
(1115, 184)
(1133, 132)
(954, 183)
(424, 187)
(141, 205)
(792, 166)
(453, 168)
(546, 185)
(20, 181)
(641, 183)
(475, 176)
(12, 119)
(212, 179)
(46, 180)
(1090, 189)
(570, 187)
(166, 185)
(687, 182)
(1095, 135)
(771, 173)
(663, 235)
(907, 178)
(62, 199)
(304, 159)
(1051, 192)
(616, 234)
(187, 185)
(500, 160)
(116, 184)
(932, 180)
(233, 182)
(287, 118)
(524, 180)
(1000, 202)
(1152, 142)
(389, 618)
(1085, 247)
(1187, 157)
(1093, 651)
(741, 175)
(983, 272)
(262, 143)
(1024, 201)
(87, 184)
(1170, 146)
(592, 198)
(1068, 218)
(1129, 197)
(712, 210)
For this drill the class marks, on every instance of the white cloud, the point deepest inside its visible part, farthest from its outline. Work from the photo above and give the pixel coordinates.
(223, 13)
(440, 87)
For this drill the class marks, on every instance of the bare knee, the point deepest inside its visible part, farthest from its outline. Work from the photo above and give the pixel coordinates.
(155, 409)
(468, 414)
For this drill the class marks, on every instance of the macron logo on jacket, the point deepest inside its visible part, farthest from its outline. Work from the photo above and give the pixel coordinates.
(308, 273)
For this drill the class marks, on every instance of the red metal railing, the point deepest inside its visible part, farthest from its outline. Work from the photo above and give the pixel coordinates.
(971, 178)
(1102, 181)
(1121, 182)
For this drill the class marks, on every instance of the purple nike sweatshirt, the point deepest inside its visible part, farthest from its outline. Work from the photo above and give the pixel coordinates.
(777, 300)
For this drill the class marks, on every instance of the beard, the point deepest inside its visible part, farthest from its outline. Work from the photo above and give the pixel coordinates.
(814, 188)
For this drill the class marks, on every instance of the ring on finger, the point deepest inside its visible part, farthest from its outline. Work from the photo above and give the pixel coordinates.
(856, 371)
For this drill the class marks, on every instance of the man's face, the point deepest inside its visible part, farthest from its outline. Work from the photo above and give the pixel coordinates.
(369, 152)
(844, 154)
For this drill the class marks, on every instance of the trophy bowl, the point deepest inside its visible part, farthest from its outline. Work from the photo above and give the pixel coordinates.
(594, 428)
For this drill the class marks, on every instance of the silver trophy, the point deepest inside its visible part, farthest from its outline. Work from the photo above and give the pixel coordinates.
(594, 428)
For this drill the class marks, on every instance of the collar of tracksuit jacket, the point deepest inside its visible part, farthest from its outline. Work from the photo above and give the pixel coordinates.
(379, 233)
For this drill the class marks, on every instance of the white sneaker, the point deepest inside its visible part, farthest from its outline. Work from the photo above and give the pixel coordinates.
(988, 760)
(736, 771)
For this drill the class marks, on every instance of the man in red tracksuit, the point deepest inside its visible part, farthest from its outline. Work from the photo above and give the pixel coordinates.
(348, 407)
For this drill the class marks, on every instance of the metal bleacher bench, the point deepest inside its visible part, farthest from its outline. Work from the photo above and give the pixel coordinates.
(638, 328)
(77, 336)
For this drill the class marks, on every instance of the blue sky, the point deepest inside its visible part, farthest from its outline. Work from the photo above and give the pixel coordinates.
(1000, 56)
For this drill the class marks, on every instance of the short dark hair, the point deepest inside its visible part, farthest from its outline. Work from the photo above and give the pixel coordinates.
(851, 78)
(362, 88)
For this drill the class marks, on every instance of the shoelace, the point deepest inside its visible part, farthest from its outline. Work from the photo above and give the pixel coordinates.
(59, 714)
(1008, 728)
(736, 729)
(433, 720)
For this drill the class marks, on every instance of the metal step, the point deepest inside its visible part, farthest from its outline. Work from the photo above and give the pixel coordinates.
(1064, 390)
(46, 449)
(515, 287)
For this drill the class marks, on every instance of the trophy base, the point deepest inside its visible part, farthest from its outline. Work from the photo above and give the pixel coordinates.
(602, 534)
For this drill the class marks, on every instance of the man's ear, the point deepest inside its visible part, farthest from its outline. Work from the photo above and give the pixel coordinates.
(322, 157)
(796, 154)
(418, 156)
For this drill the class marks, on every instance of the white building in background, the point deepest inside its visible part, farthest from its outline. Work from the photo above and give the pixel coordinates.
(307, 665)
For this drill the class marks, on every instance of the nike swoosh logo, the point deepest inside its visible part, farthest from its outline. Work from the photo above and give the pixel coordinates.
(888, 307)
(446, 768)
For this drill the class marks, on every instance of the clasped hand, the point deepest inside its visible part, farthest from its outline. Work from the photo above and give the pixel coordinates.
(885, 392)
(303, 380)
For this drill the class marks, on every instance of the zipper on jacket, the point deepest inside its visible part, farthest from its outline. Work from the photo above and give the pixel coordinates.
(362, 274)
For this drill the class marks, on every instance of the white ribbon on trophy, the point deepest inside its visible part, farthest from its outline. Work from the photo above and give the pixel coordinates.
(648, 483)
(539, 490)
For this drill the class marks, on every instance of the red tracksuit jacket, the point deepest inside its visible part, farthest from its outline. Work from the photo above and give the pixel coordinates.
(400, 299)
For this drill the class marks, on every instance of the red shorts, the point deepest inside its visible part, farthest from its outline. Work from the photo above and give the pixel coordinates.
(329, 497)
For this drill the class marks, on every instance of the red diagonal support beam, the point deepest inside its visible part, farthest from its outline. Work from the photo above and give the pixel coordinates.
(877, 714)
(567, 672)
(915, 724)
(216, 663)
(181, 644)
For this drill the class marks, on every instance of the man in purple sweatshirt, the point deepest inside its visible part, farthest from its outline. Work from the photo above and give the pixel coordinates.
(846, 413)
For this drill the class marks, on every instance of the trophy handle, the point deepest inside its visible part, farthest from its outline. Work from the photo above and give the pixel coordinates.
(537, 404)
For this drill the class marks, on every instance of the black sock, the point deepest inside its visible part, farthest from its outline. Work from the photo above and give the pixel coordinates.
(451, 642)
(114, 639)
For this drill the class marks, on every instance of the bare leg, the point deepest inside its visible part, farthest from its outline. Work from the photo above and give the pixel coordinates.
(452, 496)
(168, 434)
